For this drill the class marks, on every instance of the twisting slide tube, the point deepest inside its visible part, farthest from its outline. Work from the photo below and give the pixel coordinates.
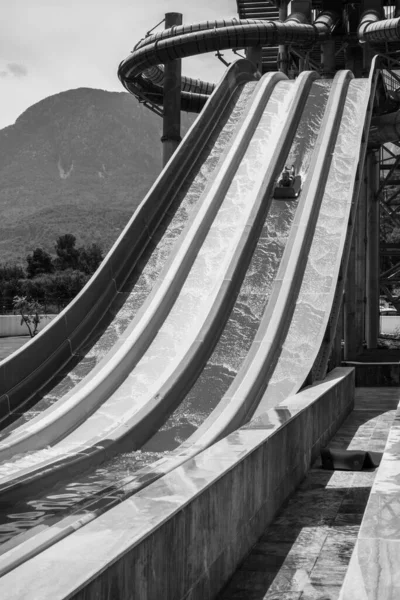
(373, 29)
(139, 75)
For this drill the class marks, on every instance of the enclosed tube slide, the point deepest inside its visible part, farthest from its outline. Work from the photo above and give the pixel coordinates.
(139, 73)
(374, 29)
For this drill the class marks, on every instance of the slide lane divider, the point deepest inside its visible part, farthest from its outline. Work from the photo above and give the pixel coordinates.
(35, 364)
(46, 537)
(66, 417)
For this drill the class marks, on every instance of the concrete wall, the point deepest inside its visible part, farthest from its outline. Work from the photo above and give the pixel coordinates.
(183, 536)
(10, 325)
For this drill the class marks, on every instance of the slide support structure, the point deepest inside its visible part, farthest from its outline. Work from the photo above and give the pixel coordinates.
(360, 281)
(356, 315)
(372, 254)
(171, 137)
(350, 349)
(254, 55)
(283, 58)
(328, 59)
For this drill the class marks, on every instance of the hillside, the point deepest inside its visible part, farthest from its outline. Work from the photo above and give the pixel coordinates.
(77, 162)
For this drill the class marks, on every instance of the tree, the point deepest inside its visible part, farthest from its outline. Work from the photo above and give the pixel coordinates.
(67, 254)
(39, 263)
(90, 258)
(11, 279)
(11, 272)
(29, 311)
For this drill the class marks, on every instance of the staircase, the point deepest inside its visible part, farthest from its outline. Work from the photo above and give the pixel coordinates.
(261, 9)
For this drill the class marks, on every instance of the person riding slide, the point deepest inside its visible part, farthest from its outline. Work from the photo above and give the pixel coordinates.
(287, 177)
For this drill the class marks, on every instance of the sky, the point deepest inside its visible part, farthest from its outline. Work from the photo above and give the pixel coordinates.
(48, 46)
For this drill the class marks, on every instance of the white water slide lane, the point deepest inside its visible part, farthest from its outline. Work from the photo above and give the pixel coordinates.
(161, 374)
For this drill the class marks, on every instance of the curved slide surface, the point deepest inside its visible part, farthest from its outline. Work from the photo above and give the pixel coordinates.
(295, 310)
(101, 314)
(257, 376)
(231, 208)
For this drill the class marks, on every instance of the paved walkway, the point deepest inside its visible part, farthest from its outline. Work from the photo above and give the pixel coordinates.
(8, 345)
(305, 552)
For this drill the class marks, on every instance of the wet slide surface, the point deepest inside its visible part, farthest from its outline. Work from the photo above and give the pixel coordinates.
(159, 256)
(139, 285)
(140, 282)
(210, 274)
(313, 306)
(221, 367)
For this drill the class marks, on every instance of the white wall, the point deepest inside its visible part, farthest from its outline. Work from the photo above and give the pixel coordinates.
(10, 325)
(389, 324)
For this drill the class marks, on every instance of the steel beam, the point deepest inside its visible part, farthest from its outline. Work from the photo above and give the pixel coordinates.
(171, 137)
(372, 272)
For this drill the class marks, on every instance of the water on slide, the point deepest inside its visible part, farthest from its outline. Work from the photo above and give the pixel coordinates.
(143, 277)
(221, 368)
(313, 305)
(145, 274)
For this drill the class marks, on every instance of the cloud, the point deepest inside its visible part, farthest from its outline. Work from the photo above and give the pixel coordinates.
(17, 69)
(14, 70)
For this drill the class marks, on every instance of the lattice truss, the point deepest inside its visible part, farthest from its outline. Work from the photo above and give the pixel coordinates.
(388, 192)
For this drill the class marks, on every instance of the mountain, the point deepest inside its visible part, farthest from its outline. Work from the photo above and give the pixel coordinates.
(77, 162)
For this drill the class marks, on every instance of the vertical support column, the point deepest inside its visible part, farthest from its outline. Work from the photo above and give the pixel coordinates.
(254, 55)
(360, 280)
(337, 350)
(172, 98)
(328, 59)
(367, 58)
(372, 276)
(283, 59)
(350, 340)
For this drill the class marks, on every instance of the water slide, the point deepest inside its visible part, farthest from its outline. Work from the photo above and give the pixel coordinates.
(309, 116)
(235, 225)
(169, 340)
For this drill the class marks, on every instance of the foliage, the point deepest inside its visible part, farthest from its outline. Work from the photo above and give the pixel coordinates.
(29, 311)
(90, 258)
(52, 281)
(39, 262)
(67, 254)
(11, 272)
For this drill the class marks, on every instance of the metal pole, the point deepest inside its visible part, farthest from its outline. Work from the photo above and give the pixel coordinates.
(360, 281)
(350, 340)
(172, 98)
(328, 59)
(254, 54)
(337, 351)
(283, 63)
(372, 277)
